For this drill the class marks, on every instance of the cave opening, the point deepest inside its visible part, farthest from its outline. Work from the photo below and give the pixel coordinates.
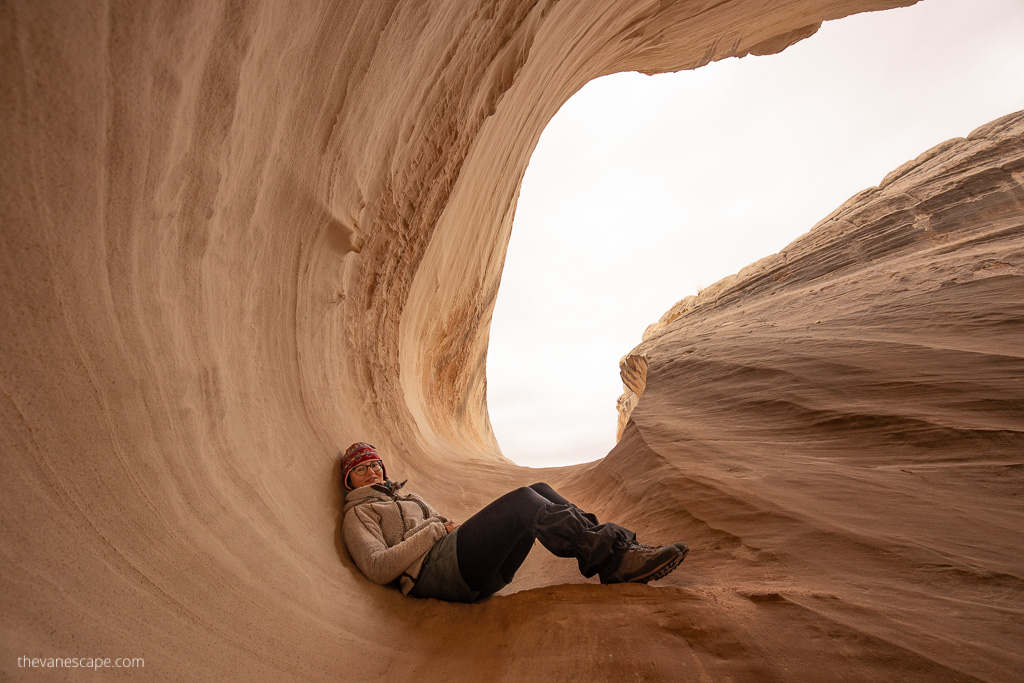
(643, 189)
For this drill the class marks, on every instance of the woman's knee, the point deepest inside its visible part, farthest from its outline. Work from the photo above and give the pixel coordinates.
(525, 499)
(522, 497)
(541, 488)
(549, 493)
(529, 493)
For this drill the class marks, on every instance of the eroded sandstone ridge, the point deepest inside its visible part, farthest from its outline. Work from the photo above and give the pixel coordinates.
(239, 235)
(949, 217)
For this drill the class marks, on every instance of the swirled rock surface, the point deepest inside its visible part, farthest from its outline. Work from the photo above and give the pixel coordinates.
(238, 236)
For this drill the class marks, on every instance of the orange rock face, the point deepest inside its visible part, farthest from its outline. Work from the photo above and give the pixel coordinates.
(239, 236)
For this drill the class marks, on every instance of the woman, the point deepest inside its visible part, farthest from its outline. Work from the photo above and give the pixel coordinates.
(393, 535)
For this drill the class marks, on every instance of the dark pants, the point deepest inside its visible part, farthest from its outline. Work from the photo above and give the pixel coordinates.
(493, 543)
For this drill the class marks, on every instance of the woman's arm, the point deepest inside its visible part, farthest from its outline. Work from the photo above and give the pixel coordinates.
(374, 558)
(425, 523)
(430, 508)
(449, 524)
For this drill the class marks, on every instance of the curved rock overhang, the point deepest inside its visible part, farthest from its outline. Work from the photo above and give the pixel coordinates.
(239, 235)
(538, 57)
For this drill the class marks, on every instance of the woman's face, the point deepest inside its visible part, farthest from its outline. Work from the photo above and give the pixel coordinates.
(371, 472)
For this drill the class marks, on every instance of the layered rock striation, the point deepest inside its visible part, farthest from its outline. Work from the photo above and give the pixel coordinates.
(238, 236)
(843, 423)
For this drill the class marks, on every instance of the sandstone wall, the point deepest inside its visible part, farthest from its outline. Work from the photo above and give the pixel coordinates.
(239, 235)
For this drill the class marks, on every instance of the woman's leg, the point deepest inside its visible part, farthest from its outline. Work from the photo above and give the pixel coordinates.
(518, 554)
(549, 493)
(494, 542)
(498, 538)
(516, 557)
(555, 497)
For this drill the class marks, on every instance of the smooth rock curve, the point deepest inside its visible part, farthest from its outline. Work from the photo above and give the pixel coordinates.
(238, 236)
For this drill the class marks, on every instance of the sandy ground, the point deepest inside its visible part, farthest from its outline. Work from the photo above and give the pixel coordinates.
(239, 236)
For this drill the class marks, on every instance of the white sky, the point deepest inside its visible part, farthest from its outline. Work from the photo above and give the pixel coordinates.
(645, 188)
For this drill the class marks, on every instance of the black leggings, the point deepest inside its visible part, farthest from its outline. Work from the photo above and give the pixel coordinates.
(494, 542)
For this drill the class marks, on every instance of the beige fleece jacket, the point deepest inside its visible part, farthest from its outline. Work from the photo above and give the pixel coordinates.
(389, 533)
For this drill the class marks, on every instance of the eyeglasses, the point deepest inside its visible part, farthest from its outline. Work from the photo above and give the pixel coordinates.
(361, 470)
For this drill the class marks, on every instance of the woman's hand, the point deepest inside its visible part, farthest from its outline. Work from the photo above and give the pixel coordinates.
(450, 526)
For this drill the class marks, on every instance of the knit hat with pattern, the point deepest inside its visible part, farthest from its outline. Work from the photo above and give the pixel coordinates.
(358, 454)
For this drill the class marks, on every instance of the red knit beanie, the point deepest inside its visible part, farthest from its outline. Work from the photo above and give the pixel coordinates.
(357, 454)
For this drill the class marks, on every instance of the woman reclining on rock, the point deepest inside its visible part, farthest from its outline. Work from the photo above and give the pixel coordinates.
(393, 535)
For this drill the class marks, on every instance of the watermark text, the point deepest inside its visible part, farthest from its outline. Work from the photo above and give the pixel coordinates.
(81, 663)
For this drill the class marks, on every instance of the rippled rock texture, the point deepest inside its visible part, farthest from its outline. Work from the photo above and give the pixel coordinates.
(238, 236)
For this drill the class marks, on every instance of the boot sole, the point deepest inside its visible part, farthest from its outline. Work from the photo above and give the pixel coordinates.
(658, 572)
(664, 570)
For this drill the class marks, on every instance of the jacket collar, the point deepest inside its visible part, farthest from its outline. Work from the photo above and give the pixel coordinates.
(385, 492)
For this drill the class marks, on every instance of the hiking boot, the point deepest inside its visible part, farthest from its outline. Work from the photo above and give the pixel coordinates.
(642, 563)
(682, 548)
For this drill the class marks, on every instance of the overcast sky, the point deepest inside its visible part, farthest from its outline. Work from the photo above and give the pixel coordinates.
(644, 189)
